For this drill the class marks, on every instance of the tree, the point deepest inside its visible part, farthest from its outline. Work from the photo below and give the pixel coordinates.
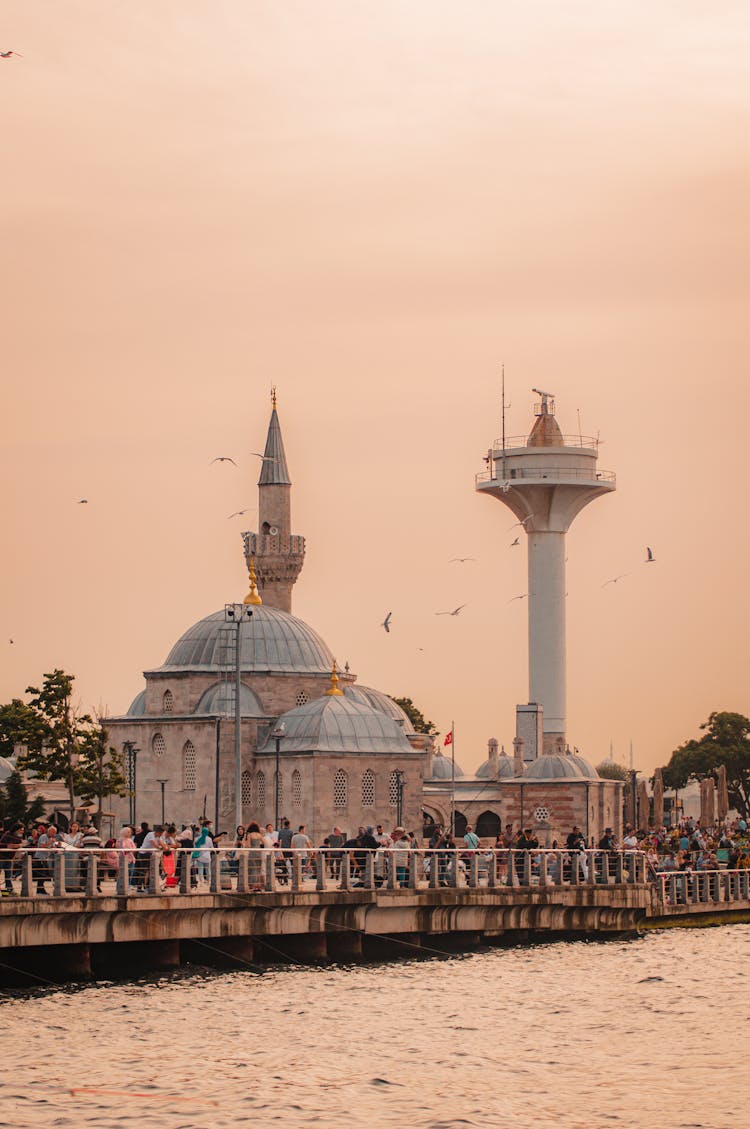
(53, 753)
(100, 769)
(726, 741)
(611, 770)
(14, 802)
(415, 716)
(19, 725)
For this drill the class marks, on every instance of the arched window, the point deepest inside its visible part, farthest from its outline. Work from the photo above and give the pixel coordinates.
(488, 825)
(340, 789)
(368, 789)
(393, 788)
(297, 787)
(461, 824)
(260, 789)
(158, 745)
(247, 788)
(188, 766)
(168, 701)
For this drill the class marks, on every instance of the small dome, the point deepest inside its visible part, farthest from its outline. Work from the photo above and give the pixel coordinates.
(554, 766)
(504, 769)
(442, 768)
(377, 700)
(138, 705)
(272, 640)
(336, 724)
(219, 699)
(587, 769)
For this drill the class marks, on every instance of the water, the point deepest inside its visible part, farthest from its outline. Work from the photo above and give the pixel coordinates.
(642, 1032)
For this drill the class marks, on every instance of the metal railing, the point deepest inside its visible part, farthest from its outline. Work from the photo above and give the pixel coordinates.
(106, 873)
(704, 887)
(513, 442)
(555, 474)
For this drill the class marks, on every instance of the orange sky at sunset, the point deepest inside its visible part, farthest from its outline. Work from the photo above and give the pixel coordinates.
(372, 205)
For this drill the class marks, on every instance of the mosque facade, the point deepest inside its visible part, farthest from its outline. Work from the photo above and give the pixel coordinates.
(347, 754)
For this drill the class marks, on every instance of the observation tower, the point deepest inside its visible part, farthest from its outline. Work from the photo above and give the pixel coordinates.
(545, 480)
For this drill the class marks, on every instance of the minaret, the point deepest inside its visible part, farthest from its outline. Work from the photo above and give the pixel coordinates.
(278, 555)
(546, 480)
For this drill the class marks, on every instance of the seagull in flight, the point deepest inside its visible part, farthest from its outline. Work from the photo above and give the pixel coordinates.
(264, 458)
(523, 597)
(615, 579)
(238, 513)
(461, 560)
(387, 623)
(650, 558)
(522, 521)
(10, 54)
(222, 459)
(82, 502)
(454, 612)
(514, 543)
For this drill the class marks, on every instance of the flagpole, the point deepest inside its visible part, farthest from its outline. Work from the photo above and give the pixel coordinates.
(453, 780)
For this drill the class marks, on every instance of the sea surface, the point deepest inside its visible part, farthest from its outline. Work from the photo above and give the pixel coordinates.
(648, 1032)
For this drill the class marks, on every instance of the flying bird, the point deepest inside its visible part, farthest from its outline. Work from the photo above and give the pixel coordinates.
(650, 558)
(12, 641)
(461, 560)
(10, 54)
(387, 623)
(454, 612)
(510, 601)
(265, 458)
(513, 543)
(223, 459)
(239, 513)
(522, 521)
(615, 579)
(82, 502)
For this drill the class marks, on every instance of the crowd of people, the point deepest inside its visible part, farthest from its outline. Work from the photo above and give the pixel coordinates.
(688, 846)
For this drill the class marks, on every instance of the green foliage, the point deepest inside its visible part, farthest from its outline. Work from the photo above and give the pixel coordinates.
(14, 802)
(100, 770)
(726, 741)
(611, 770)
(415, 716)
(19, 725)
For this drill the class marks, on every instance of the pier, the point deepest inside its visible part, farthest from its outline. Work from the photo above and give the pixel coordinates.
(312, 907)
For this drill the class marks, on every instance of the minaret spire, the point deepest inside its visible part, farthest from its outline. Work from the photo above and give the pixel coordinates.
(278, 554)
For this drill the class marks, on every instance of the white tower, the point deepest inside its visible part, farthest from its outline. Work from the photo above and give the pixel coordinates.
(546, 480)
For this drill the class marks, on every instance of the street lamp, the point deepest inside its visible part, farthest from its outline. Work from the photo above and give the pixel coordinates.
(277, 734)
(132, 751)
(399, 797)
(162, 782)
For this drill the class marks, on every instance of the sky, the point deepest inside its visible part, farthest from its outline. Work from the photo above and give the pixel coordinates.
(373, 206)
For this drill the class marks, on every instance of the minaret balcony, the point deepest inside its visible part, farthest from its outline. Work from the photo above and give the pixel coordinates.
(489, 479)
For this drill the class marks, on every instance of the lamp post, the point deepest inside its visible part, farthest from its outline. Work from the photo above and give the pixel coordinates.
(399, 797)
(132, 751)
(277, 734)
(236, 613)
(162, 782)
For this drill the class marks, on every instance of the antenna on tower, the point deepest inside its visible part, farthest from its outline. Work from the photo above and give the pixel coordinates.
(580, 436)
(504, 407)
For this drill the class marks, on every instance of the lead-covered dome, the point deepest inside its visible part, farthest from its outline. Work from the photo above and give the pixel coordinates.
(272, 640)
(554, 766)
(366, 696)
(442, 767)
(504, 768)
(587, 769)
(335, 724)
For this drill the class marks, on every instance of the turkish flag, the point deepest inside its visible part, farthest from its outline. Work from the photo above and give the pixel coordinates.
(448, 738)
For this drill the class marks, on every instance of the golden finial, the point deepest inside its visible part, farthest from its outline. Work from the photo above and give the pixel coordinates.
(334, 692)
(253, 596)
(273, 396)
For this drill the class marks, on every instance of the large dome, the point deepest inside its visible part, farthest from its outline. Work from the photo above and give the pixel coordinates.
(587, 769)
(366, 696)
(554, 766)
(335, 724)
(272, 640)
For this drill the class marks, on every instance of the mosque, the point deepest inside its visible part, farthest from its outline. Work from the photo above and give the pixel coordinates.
(315, 746)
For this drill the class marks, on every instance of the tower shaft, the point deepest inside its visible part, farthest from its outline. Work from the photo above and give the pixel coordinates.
(547, 671)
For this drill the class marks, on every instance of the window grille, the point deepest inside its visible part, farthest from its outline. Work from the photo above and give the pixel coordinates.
(260, 788)
(296, 788)
(368, 789)
(340, 789)
(393, 788)
(188, 766)
(158, 745)
(302, 698)
(168, 701)
(247, 788)
(541, 815)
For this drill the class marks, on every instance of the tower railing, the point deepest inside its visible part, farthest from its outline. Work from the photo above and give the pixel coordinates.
(513, 442)
(554, 473)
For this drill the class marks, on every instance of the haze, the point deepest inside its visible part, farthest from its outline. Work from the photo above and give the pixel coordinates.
(372, 206)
